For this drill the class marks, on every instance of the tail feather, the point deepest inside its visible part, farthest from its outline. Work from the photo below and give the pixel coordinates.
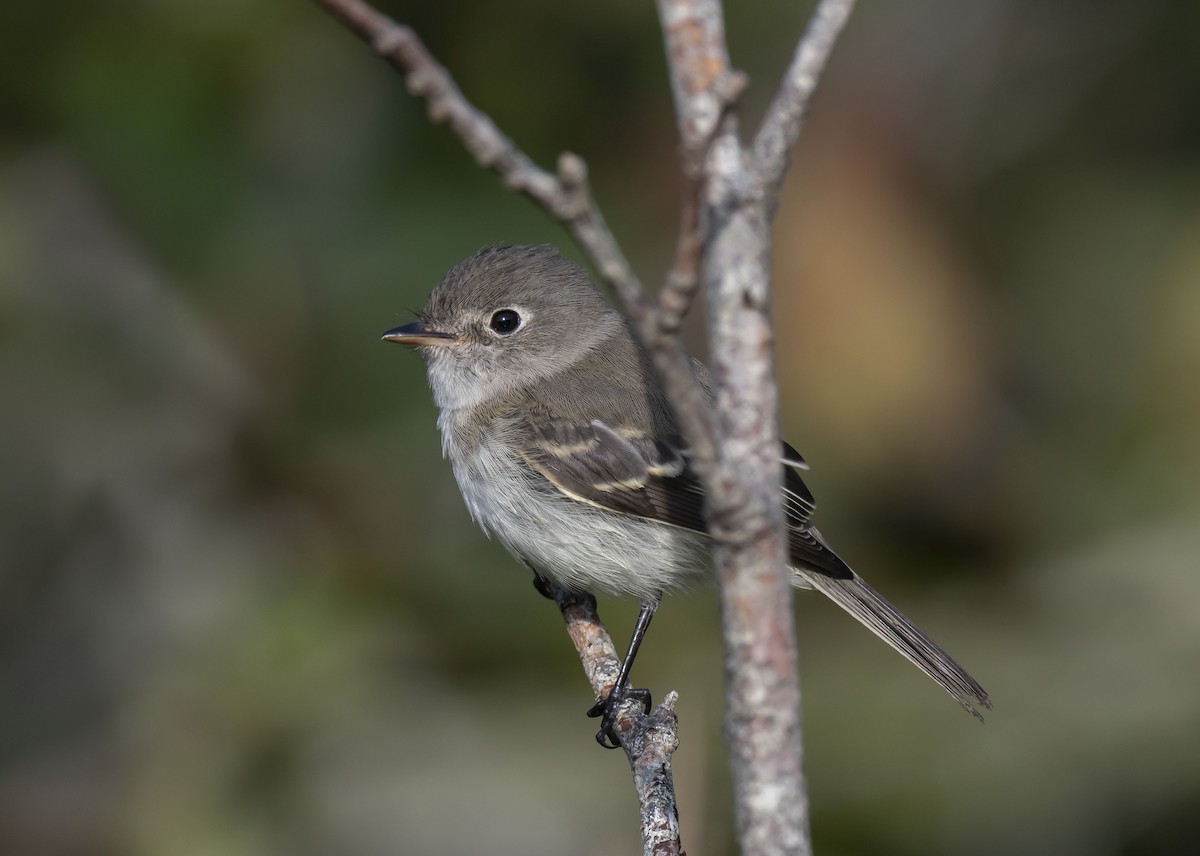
(890, 625)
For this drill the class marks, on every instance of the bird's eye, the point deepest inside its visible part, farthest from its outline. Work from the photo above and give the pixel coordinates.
(505, 322)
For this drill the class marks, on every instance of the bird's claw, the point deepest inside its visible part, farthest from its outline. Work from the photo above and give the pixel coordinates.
(607, 708)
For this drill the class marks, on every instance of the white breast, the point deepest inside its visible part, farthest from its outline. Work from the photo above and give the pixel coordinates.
(573, 544)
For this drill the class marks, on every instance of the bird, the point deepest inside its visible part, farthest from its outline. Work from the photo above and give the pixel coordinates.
(566, 450)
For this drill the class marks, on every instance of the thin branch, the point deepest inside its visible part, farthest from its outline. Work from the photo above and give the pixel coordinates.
(673, 364)
(564, 195)
(648, 739)
(785, 117)
(650, 748)
(705, 90)
(694, 31)
(683, 279)
(744, 513)
(745, 516)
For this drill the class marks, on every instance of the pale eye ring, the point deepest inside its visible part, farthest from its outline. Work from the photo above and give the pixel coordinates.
(505, 322)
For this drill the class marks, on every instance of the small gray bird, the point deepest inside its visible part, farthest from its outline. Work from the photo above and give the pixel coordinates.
(566, 449)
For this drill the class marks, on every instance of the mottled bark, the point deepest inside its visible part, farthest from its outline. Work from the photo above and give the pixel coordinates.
(736, 189)
(648, 739)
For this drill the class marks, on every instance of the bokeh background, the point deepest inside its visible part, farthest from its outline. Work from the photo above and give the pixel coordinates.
(242, 608)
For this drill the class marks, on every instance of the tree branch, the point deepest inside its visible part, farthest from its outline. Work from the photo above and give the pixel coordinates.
(705, 90)
(694, 31)
(648, 739)
(745, 516)
(683, 279)
(785, 117)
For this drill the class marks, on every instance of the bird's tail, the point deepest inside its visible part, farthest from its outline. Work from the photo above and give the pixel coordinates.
(890, 625)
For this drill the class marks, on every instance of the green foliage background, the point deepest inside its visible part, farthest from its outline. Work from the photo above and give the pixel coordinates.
(242, 609)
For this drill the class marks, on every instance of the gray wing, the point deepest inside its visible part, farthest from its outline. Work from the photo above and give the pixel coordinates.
(617, 469)
(621, 469)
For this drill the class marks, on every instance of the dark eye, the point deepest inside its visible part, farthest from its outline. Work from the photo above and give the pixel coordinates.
(505, 321)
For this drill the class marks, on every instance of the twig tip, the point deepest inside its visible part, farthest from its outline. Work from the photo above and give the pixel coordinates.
(572, 170)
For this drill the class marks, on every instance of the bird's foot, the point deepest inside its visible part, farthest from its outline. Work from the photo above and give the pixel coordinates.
(543, 587)
(607, 709)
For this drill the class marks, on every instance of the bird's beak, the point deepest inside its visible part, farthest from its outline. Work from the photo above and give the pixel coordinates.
(416, 333)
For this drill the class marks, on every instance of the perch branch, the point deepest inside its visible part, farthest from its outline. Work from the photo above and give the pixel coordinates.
(648, 739)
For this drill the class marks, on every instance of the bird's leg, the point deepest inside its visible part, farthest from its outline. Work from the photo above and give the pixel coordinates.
(607, 707)
(543, 587)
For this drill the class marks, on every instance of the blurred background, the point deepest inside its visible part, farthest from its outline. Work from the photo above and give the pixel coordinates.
(242, 607)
